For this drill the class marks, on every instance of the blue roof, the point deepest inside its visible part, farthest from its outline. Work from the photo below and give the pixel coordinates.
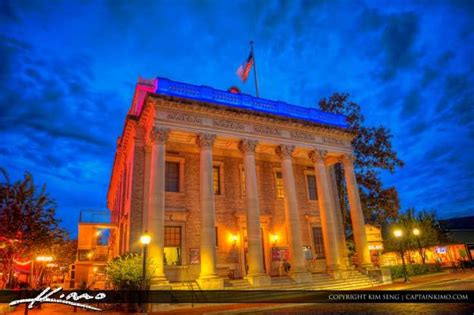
(244, 101)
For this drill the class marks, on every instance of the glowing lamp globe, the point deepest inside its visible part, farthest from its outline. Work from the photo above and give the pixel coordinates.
(398, 233)
(145, 239)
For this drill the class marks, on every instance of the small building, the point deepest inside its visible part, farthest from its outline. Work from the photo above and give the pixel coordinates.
(460, 230)
(95, 249)
(375, 243)
(459, 246)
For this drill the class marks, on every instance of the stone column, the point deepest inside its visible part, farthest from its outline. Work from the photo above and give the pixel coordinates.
(256, 275)
(208, 278)
(156, 206)
(340, 227)
(357, 216)
(298, 265)
(326, 211)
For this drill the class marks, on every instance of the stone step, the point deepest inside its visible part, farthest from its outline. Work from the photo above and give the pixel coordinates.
(352, 280)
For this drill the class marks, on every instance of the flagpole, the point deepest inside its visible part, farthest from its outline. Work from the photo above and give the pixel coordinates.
(254, 68)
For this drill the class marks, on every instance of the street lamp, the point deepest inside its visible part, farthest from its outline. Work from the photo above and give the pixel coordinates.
(398, 234)
(44, 258)
(145, 239)
(417, 233)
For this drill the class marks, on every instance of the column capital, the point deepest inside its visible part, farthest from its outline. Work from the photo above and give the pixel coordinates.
(285, 151)
(205, 140)
(348, 159)
(159, 135)
(318, 156)
(248, 145)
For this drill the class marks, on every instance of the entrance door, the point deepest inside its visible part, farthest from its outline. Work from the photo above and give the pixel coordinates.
(245, 251)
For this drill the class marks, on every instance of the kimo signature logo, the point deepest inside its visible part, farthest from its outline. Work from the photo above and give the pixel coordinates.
(69, 299)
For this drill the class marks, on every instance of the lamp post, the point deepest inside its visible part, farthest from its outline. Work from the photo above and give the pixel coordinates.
(398, 234)
(417, 233)
(145, 240)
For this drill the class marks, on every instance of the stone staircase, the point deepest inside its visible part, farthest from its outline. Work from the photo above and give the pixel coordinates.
(352, 280)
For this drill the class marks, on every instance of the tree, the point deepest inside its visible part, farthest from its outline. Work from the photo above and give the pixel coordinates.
(374, 153)
(27, 221)
(64, 253)
(424, 223)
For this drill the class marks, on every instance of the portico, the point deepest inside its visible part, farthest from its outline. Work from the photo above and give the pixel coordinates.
(204, 167)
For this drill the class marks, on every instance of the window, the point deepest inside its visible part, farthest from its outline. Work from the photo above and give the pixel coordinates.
(172, 176)
(311, 185)
(172, 251)
(318, 243)
(216, 173)
(217, 236)
(279, 185)
(103, 236)
(84, 255)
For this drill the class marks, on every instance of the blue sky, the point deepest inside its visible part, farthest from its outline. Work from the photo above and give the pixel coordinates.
(68, 71)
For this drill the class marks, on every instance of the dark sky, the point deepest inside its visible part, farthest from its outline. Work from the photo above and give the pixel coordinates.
(68, 72)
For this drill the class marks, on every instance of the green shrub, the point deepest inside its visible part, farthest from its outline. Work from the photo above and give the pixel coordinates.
(125, 271)
(414, 269)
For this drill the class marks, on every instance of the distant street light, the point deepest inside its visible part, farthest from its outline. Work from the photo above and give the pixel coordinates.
(417, 233)
(44, 258)
(145, 239)
(398, 234)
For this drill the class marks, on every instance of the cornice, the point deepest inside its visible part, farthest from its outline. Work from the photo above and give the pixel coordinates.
(245, 115)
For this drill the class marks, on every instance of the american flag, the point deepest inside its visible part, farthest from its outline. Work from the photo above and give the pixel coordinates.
(244, 69)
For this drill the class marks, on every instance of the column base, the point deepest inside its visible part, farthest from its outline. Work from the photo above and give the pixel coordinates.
(259, 280)
(301, 276)
(159, 283)
(210, 283)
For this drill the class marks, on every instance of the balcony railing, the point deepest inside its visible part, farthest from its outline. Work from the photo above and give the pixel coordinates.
(98, 253)
(207, 94)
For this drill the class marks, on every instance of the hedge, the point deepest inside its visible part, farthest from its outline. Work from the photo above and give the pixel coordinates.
(414, 269)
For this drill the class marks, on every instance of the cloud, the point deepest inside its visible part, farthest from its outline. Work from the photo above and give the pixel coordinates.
(411, 104)
(398, 39)
(68, 85)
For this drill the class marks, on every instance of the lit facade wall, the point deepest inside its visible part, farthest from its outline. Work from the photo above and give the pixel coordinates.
(183, 121)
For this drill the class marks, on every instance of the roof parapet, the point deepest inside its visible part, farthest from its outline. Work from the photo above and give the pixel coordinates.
(163, 86)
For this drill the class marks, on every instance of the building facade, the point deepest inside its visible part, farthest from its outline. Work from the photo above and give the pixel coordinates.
(229, 185)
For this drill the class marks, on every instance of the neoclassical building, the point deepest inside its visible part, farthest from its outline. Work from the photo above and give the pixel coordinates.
(232, 186)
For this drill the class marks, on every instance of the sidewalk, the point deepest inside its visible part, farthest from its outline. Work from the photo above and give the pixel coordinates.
(431, 281)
